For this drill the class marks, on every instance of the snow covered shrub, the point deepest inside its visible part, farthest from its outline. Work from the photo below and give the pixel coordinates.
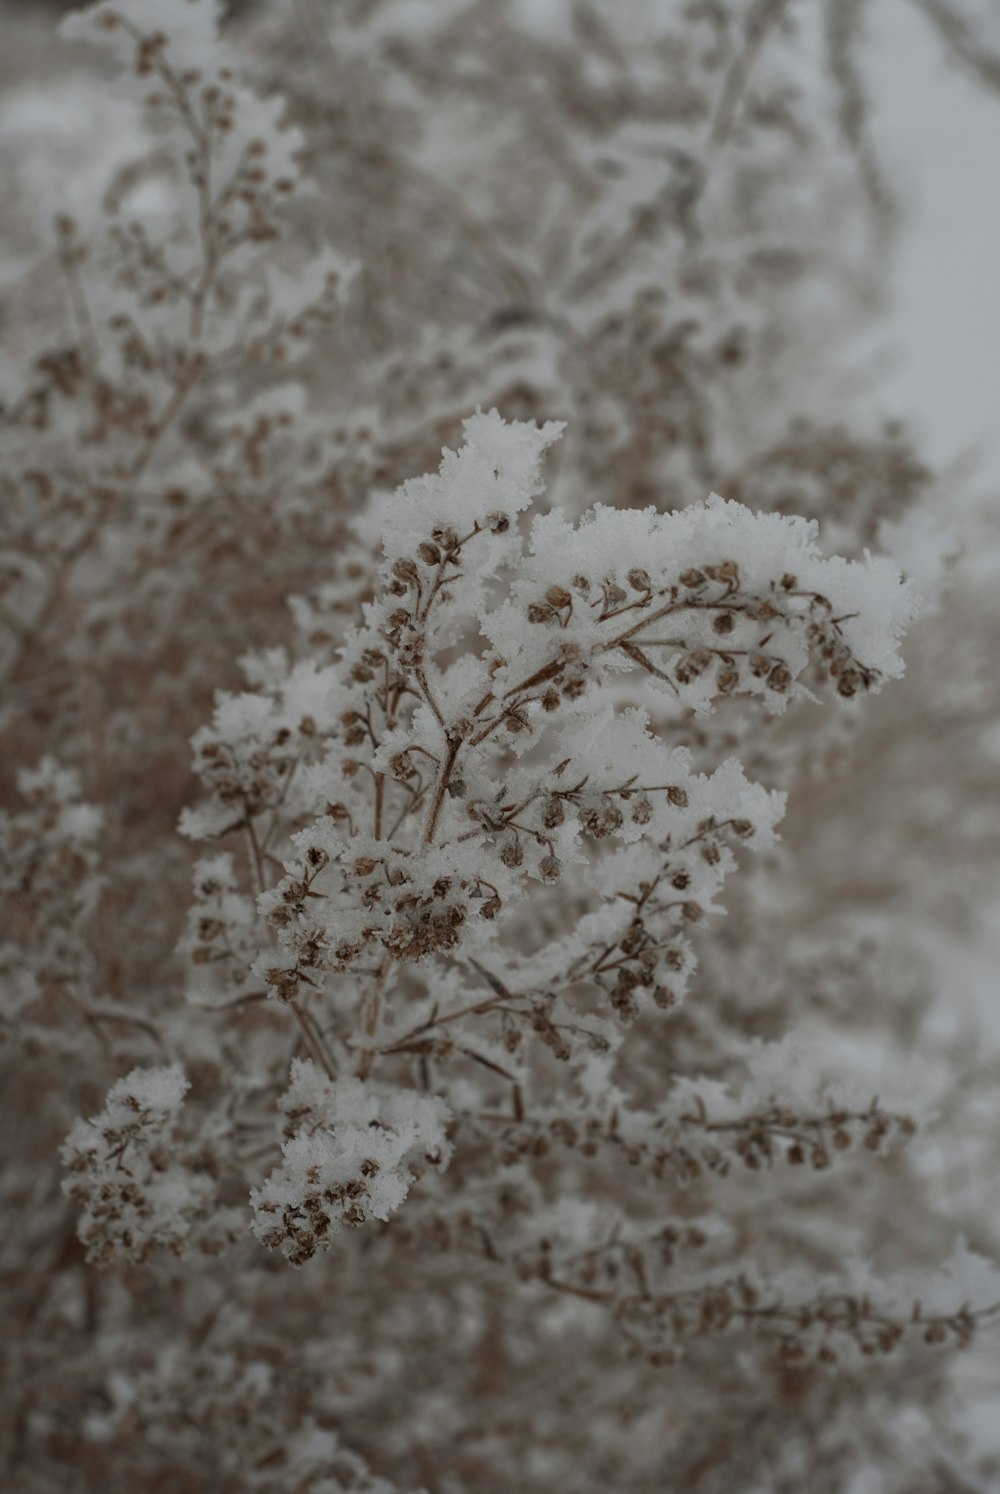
(166, 422)
(471, 868)
(525, 1069)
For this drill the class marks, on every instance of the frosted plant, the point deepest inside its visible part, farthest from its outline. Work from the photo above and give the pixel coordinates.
(352, 1146)
(591, 1187)
(480, 871)
(164, 419)
(481, 765)
(462, 777)
(50, 892)
(486, 934)
(136, 1191)
(624, 243)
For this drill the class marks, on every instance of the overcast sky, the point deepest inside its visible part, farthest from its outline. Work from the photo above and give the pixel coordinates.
(940, 137)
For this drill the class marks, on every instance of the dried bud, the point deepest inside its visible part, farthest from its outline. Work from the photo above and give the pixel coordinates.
(553, 813)
(401, 766)
(601, 821)
(511, 853)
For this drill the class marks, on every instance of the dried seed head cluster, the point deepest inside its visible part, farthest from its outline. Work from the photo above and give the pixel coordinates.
(128, 1170)
(350, 1155)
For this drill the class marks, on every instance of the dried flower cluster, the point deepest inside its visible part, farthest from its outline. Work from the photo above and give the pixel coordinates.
(138, 1189)
(352, 1148)
(606, 1123)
